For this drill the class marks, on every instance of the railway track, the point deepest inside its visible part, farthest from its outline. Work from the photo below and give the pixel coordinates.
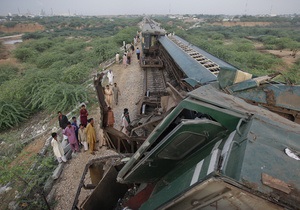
(154, 88)
(154, 81)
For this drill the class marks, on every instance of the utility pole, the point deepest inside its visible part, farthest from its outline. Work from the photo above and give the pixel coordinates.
(246, 7)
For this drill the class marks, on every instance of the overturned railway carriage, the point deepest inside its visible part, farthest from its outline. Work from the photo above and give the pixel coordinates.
(201, 142)
(207, 154)
(192, 67)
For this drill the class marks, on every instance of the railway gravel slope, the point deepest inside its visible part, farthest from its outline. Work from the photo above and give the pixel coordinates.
(130, 82)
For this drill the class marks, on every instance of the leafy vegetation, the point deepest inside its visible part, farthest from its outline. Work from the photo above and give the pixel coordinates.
(53, 68)
(7, 72)
(57, 65)
(30, 182)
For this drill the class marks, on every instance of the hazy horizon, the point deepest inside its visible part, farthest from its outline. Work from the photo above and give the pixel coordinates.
(115, 7)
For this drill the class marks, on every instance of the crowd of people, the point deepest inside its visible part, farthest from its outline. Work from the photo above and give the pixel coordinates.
(84, 135)
(129, 50)
(78, 136)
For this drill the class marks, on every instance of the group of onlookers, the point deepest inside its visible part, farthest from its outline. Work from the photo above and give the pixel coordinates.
(83, 135)
(129, 51)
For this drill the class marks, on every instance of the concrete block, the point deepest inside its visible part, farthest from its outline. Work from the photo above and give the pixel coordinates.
(48, 185)
(57, 171)
(68, 155)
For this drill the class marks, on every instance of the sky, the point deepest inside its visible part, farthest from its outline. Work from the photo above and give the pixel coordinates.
(124, 7)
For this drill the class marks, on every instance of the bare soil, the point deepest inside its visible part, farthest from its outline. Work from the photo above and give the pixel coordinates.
(285, 55)
(22, 28)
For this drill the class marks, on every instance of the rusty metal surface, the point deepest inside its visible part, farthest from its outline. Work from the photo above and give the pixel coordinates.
(151, 62)
(275, 183)
(107, 192)
(217, 193)
(111, 158)
(209, 94)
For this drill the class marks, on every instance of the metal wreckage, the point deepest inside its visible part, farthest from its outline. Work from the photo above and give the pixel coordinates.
(209, 136)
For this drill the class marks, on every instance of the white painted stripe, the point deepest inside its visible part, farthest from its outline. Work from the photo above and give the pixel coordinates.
(228, 142)
(216, 146)
(197, 172)
(225, 149)
(213, 161)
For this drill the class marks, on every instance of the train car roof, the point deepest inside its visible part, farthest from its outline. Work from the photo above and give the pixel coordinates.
(216, 60)
(153, 29)
(195, 72)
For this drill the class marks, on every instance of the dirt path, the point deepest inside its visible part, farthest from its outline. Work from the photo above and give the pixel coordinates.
(130, 82)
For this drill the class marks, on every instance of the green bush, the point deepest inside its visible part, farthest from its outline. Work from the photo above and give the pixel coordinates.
(11, 114)
(75, 58)
(10, 24)
(126, 35)
(293, 73)
(7, 72)
(59, 65)
(57, 96)
(42, 45)
(75, 74)
(34, 35)
(25, 54)
(46, 59)
(72, 46)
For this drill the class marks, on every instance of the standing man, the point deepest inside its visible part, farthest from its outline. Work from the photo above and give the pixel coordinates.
(132, 48)
(125, 122)
(135, 40)
(63, 121)
(117, 58)
(110, 76)
(138, 52)
(91, 136)
(70, 132)
(128, 57)
(110, 118)
(125, 60)
(83, 115)
(57, 149)
(108, 95)
(116, 92)
(82, 137)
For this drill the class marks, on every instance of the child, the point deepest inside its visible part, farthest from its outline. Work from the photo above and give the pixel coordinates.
(57, 149)
(82, 136)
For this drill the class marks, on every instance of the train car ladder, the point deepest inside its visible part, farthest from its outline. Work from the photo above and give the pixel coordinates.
(201, 59)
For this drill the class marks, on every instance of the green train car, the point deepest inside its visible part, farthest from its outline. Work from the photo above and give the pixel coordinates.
(215, 151)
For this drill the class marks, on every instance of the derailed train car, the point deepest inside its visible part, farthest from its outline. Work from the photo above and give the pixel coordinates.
(214, 151)
(211, 150)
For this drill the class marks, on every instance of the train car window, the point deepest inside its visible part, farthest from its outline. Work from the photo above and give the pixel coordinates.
(182, 145)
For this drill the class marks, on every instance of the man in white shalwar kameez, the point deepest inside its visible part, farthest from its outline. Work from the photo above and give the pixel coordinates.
(57, 149)
(110, 76)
